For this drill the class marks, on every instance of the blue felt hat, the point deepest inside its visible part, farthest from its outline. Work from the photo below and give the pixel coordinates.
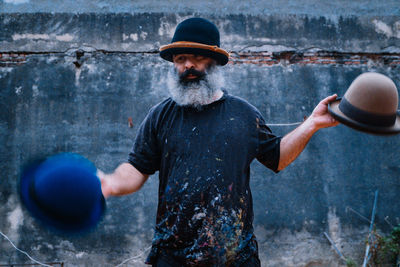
(64, 192)
(196, 36)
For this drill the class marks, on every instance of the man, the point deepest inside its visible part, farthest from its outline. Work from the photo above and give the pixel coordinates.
(202, 141)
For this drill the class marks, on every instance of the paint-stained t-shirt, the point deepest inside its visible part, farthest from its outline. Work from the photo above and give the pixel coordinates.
(205, 210)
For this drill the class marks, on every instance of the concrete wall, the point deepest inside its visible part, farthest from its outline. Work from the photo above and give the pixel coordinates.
(72, 73)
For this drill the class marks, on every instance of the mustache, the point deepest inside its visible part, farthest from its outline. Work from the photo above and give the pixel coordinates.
(199, 74)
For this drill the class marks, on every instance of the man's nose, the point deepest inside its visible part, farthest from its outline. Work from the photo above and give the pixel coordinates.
(189, 64)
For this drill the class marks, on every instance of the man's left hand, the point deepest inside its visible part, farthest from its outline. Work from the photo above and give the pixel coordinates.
(320, 115)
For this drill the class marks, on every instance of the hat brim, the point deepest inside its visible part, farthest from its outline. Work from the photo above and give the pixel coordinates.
(26, 179)
(333, 108)
(214, 52)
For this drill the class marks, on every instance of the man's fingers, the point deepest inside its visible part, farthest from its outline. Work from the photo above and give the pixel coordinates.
(100, 174)
(329, 99)
(104, 183)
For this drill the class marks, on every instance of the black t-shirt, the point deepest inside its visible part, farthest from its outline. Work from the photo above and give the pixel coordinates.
(205, 209)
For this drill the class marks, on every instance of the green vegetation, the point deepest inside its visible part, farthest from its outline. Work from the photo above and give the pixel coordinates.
(350, 263)
(385, 251)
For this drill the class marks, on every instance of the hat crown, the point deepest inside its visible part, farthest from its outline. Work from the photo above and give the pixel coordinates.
(63, 192)
(196, 36)
(197, 30)
(67, 184)
(373, 92)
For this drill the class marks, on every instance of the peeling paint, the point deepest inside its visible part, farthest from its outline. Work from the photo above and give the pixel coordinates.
(80, 254)
(15, 218)
(6, 70)
(35, 90)
(143, 35)
(43, 36)
(334, 225)
(16, 2)
(383, 28)
(389, 31)
(92, 68)
(65, 37)
(77, 76)
(166, 29)
(18, 90)
(32, 36)
(66, 245)
(132, 36)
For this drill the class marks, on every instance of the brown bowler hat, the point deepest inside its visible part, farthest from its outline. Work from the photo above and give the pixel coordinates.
(196, 36)
(370, 105)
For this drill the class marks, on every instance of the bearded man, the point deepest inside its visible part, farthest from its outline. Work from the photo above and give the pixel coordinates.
(202, 141)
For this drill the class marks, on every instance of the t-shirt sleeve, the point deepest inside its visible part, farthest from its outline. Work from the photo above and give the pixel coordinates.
(145, 154)
(268, 151)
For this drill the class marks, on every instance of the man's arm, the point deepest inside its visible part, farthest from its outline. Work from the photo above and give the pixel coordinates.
(294, 142)
(124, 180)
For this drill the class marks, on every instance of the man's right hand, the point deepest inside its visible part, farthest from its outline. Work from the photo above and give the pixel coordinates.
(124, 180)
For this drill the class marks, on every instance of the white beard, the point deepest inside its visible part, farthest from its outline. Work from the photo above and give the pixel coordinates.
(195, 94)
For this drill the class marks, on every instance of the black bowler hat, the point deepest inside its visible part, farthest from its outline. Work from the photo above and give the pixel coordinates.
(370, 105)
(196, 36)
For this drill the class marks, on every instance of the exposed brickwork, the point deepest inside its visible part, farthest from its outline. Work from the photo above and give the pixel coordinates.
(322, 57)
(12, 59)
(263, 58)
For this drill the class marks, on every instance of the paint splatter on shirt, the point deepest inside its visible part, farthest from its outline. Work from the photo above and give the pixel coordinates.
(205, 210)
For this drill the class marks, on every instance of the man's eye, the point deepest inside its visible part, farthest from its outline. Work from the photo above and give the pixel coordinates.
(180, 58)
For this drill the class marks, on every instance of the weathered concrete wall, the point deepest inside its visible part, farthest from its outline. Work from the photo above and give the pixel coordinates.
(71, 78)
(145, 32)
(255, 7)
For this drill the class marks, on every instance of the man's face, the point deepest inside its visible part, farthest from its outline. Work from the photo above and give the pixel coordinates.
(199, 64)
(194, 81)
